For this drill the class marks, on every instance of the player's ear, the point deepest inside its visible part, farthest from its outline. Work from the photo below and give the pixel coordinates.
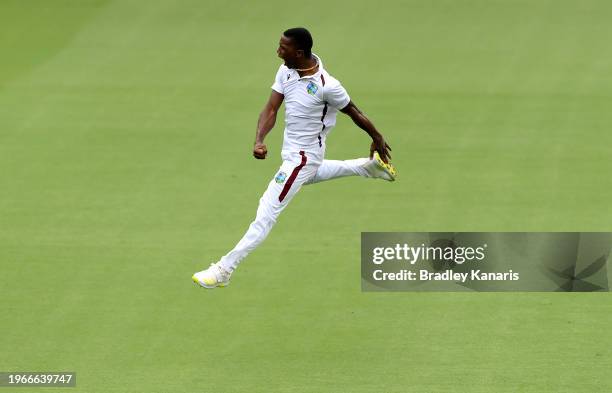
(299, 53)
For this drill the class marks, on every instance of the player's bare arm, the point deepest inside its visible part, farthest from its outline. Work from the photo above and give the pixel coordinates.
(266, 121)
(362, 121)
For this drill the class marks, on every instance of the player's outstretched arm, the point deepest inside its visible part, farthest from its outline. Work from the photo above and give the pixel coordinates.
(266, 121)
(362, 121)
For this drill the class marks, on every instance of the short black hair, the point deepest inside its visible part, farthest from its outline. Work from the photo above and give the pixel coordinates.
(301, 38)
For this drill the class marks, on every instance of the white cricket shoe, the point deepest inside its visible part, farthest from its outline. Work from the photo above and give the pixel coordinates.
(214, 276)
(376, 167)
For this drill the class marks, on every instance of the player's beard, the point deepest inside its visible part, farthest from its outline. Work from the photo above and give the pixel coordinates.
(289, 64)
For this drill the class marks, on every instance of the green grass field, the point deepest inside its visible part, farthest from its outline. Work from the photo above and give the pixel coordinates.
(126, 130)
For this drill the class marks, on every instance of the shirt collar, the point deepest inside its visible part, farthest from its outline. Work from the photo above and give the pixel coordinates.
(316, 74)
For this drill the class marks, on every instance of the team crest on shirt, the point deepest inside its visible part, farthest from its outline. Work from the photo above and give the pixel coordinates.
(312, 88)
(281, 177)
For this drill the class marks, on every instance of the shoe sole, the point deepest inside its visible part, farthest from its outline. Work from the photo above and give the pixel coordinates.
(387, 167)
(201, 284)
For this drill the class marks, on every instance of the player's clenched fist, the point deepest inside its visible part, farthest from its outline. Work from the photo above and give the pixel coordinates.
(260, 151)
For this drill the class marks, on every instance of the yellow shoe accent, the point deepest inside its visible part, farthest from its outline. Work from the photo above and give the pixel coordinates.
(388, 167)
(212, 277)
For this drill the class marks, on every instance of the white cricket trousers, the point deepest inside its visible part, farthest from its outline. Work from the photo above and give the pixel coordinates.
(298, 168)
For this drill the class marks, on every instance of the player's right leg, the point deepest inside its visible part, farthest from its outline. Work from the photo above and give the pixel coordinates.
(296, 169)
(365, 167)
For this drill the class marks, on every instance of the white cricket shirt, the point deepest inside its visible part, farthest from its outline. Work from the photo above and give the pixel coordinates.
(311, 105)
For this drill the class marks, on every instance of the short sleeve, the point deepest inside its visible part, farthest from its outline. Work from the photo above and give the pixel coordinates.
(278, 81)
(336, 96)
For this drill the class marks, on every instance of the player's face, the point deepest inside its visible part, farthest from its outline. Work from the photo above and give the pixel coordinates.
(286, 51)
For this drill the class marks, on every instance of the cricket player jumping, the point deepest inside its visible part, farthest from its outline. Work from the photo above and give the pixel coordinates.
(312, 99)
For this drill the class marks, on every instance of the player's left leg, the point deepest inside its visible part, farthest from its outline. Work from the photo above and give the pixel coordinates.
(333, 169)
(365, 167)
